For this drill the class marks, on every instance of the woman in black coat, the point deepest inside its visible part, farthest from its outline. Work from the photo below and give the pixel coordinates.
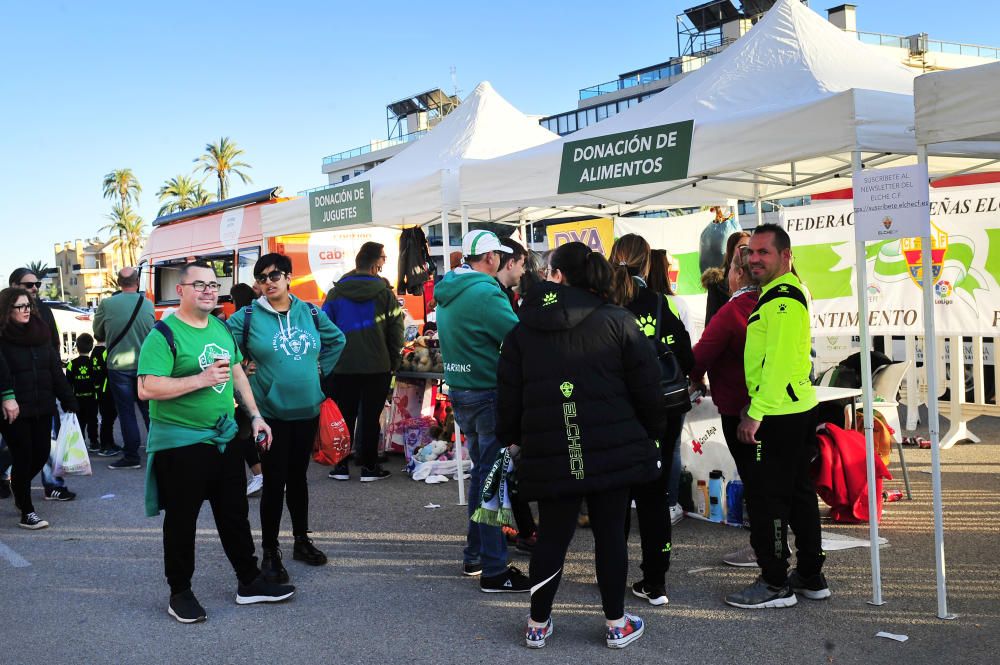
(578, 390)
(31, 378)
(661, 323)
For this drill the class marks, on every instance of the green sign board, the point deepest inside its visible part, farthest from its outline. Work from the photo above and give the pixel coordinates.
(653, 154)
(344, 205)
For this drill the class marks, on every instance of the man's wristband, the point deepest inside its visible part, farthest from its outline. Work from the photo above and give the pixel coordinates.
(255, 416)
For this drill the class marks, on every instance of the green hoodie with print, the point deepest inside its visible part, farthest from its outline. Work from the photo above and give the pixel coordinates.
(290, 349)
(473, 317)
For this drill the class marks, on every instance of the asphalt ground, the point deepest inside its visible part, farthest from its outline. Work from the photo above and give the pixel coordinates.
(90, 589)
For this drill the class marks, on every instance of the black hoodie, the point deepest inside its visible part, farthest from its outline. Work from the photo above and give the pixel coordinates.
(578, 389)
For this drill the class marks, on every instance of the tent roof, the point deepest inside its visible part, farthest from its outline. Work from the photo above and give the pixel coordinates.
(778, 111)
(962, 105)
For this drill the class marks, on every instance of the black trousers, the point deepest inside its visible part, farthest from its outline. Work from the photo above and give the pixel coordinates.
(284, 467)
(109, 413)
(523, 517)
(652, 510)
(781, 493)
(361, 398)
(29, 439)
(556, 524)
(87, 415)
(187, 477)
(250, 453)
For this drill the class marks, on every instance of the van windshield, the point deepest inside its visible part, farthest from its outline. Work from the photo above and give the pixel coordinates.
(167, 276)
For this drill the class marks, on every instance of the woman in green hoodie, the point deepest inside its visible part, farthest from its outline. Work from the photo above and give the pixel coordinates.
(288, 339)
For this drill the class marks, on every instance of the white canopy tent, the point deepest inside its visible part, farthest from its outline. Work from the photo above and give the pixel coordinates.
(776, 114)
(957, 114)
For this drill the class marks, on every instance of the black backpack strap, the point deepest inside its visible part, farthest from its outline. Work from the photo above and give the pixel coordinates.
(245, 346)
(168, 335)
(128, 326)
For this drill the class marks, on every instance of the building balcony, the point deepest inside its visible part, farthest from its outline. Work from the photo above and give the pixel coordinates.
(374, 146)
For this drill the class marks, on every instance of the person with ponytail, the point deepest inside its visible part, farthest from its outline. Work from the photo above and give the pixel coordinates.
(579, 405)
(658, 319)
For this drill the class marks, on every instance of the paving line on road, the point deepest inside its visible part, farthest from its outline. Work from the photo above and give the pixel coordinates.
(12, 557)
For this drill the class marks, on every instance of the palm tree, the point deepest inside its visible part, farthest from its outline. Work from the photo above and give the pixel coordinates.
(178, 192)
(123, 184)
(129, 227)
(38, 268)
(201, 196)
(222, 159)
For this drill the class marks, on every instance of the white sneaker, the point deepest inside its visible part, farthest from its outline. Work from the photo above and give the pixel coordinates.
(742, 558)
(676, 514)
(255, 485)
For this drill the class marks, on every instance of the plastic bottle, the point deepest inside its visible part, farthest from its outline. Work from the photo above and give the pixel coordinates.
(734, 502)
(715, 480)
(685, 497)
(701, 498)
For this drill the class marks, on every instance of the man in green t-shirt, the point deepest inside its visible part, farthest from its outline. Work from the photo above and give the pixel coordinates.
(189, 369)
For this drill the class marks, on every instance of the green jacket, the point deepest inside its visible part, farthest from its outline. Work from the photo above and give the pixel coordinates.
(473, 317)
(291, 350)
(776, 359)
(112, 315)
(363, 306)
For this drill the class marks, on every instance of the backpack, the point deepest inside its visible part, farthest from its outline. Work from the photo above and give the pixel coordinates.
(673, 382)
(168, 334)
(248, 312)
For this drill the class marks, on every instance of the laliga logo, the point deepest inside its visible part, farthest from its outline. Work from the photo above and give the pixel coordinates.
(913, 251)
(943, 289)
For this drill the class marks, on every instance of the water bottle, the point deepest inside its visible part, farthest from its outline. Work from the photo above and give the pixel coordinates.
(715, 479)
(701, 499)
(685, 495)
(734, 502)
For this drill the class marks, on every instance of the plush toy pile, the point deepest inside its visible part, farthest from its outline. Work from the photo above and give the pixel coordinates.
(423, 355)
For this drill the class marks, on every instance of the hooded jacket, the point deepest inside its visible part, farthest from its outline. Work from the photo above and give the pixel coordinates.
(31, 371)
(364, 308)
(579, 391)
(287, 349)
(473, 317)
(672, 331)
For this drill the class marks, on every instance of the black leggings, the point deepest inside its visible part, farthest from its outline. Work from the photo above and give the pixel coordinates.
(250, 453)
(29, 439)
(284, 467)
(652, 510)
(556, 524)
(361, 398)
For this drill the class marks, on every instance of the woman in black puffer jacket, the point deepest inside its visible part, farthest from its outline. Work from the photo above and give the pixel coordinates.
(660, 322)
(31, 378)
(578, 390)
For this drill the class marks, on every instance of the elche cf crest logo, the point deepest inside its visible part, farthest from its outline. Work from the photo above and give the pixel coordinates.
(913, 251)
(887, 223)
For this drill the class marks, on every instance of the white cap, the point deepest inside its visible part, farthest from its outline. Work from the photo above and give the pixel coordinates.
(480, 242)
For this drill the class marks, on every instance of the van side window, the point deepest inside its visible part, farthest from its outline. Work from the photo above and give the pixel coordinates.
(247, 259)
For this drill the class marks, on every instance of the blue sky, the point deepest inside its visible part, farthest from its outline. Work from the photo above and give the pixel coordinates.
(90, 87)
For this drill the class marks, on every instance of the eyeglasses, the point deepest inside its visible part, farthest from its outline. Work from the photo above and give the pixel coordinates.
(201, 286)
(31, 285)
(274, 276)
(26, 307)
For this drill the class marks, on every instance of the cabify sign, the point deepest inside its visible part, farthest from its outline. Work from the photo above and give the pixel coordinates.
(340, 206)
(652, 154)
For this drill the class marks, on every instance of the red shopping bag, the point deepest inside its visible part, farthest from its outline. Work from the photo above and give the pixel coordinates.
(333, 438)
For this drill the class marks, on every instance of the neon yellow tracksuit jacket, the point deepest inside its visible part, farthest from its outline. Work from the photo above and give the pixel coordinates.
(776, 359)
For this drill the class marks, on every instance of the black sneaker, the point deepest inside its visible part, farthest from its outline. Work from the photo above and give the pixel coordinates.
(371, 475)
(59, 494)
(340, 472)
(125, 464)
(511, 580)
(472, 569)
(760, 595)
(271, 568)
(94, 448)
(304, 550)
(109, 452)
(656, 595)
(185, 608)
(813, 588)
(262, 591)
(32, 521)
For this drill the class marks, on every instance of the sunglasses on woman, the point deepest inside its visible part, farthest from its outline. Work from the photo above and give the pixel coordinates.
(274, 276)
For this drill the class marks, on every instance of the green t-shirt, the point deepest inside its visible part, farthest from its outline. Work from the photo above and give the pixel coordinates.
(197, 348)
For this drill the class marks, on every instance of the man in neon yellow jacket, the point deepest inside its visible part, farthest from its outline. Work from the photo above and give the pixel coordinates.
(780, 422)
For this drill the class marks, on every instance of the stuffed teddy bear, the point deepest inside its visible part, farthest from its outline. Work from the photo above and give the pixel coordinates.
(431, 451)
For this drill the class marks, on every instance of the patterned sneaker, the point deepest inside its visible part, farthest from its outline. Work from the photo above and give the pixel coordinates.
(59, 494)
(534, 638)
(813, 588)
(656, 595)
(760, 595)
(621, 637)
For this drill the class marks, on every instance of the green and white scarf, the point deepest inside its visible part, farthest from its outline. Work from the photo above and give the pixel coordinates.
(494, 503)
